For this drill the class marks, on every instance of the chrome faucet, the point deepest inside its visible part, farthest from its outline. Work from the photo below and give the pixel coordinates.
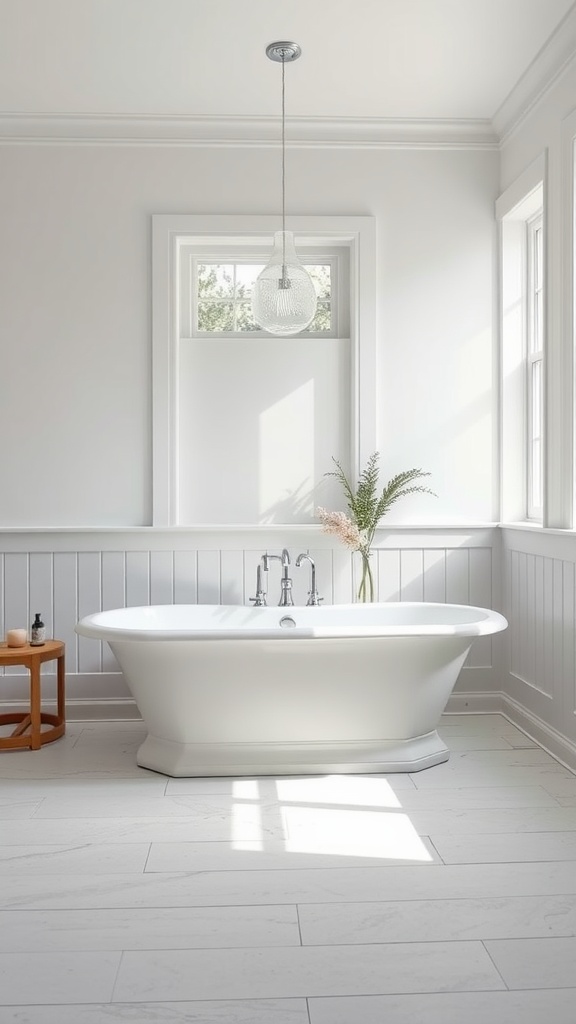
(261, 590)
(286, 600)
(313, 598)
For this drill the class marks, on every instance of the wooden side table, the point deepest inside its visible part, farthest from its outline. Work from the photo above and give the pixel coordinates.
(32, 658)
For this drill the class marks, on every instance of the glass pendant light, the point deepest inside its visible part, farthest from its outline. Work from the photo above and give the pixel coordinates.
(284, 297)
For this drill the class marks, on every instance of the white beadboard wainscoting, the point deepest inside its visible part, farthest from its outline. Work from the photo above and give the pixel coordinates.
(68, 574)
(539, 601)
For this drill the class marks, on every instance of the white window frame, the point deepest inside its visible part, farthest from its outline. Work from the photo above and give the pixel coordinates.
(566, 485)
(241, 252)
(516, 209)
(534, 358)
(169, 233)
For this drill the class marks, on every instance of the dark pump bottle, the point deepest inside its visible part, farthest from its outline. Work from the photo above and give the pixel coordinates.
(37, 632)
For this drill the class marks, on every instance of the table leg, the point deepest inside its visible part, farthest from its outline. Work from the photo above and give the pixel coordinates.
(61, 688)
(35, 719)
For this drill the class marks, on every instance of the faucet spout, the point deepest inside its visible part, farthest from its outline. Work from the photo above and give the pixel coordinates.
(313, 598)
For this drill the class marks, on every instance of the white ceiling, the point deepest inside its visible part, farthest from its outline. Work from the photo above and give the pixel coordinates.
(206, 58)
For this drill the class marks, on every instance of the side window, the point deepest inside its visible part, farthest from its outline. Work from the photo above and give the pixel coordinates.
(522, 219)
(535, 365)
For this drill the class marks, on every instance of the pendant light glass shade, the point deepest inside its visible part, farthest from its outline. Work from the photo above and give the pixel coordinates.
(284, 298)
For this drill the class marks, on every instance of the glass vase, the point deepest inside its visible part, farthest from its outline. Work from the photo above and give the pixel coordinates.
(366, 588)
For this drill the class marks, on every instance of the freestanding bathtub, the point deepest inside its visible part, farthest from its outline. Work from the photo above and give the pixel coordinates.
(232, 690)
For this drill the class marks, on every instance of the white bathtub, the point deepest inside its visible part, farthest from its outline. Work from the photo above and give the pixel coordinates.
(232, 690)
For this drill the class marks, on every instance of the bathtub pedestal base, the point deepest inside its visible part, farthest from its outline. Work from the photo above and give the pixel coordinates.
(251, 759)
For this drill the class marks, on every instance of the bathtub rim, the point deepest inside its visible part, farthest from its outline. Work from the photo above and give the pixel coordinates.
(488, 622)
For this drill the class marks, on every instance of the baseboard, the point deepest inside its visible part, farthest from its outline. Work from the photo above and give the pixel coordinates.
(124, 710)
(78, 710)
(497, 702)
(558, 745)
(485, 702)
(488, 702)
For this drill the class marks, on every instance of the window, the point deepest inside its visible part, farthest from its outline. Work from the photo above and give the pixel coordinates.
(534, 364)
(523, 346)
(246, 423)
(222, 291)
(274, 408)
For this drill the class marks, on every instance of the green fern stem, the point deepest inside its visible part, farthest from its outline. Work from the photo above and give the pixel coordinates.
(366, 588)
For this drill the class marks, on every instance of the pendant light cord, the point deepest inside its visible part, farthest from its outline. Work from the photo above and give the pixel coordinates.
(283, 166)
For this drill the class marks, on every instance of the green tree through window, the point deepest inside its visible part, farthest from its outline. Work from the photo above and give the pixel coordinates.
(224, 293)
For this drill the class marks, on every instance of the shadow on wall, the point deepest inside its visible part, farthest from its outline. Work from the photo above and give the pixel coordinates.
(295, 507)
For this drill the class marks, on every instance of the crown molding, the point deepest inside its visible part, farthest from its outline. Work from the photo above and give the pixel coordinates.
(303, 132)
(540, 76)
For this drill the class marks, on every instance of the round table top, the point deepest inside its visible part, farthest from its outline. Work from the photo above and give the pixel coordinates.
(50, 649)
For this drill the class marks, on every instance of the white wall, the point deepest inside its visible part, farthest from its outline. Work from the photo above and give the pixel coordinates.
(538, 565)
(75, 379)
(75, 415)
(438, 402)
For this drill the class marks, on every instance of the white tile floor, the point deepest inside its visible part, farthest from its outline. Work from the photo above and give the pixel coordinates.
(432, 898)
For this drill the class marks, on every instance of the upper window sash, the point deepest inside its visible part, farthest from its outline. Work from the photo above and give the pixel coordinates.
(535, 286)
(241, 254)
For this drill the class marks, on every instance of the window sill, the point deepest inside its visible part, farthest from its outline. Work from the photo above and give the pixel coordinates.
(552, 531)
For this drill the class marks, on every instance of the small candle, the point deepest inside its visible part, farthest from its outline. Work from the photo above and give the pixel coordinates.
(16, 637)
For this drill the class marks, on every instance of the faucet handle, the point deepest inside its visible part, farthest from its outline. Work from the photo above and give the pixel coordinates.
(260, 599)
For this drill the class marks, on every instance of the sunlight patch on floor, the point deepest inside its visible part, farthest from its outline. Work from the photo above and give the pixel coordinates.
(352, 790)
(246, 827)
(246, 789)
(360, 833)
